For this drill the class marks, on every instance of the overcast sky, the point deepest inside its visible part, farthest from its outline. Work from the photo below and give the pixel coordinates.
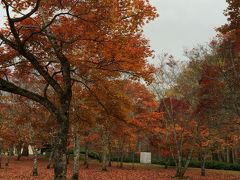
(182, 24)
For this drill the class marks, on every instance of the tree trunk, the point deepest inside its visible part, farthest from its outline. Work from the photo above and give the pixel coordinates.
(236, 154)
(50, 159)
(76, 162)
(60, 153)
(104, 151)
(219, 157)
(25, 150)
(179, 165)
(19, 153)
(211, 157)
(227, 154)
(86, 155)
(19, 156)
(180, 172)
(180, 168)
(0, 158)
(121, 158)
(118, 156)
(104, 155)
(35, 166)
(133, 159)
(67, 157)
(109, 155)
(233, 155)
(7, 158)
(224, 155)
(203, 162)
(166, 163)
(1, 149)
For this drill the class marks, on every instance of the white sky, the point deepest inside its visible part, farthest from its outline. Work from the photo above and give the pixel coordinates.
(182, 24)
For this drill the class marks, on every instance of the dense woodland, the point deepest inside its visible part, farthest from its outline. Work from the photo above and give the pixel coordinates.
(75, 77)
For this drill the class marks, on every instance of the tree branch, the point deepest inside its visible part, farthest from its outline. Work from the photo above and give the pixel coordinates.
(12, 88)
(14, 20)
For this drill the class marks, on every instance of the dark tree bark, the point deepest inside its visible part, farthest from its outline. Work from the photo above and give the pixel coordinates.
(227, 155)
(62, 88)
(219, 157)
(109, 154)
(25, 150)
(118, 156)
(121, 157)
(19, 149)
(76, 157)
(203, 162)
(133, 159)
(166, 163)
(233, 155)
(86, 163)
(60, 154)
(50, 159)
(7, 158)
(236, 154)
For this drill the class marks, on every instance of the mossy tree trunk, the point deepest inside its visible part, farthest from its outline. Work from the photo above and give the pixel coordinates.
(35, 164)
(203, 162)
(76, 163)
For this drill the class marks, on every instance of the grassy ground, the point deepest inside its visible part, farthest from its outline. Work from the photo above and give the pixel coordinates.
(21, 170)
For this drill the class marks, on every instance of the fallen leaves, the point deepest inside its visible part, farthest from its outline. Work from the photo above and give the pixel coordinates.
(21, 170)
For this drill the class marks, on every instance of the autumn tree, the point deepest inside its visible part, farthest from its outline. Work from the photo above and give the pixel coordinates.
(82, 120)
(7, 134)
(113, 108)
(215, 96)
(228, 48)
(231, 30)
(50, 40)
(175, 87)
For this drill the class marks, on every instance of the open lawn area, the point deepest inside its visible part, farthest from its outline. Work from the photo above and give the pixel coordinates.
(21, 170)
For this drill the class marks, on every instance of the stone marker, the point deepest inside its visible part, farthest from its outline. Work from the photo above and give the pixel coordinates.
(145, 157)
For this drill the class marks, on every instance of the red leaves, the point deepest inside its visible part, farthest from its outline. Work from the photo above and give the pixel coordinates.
(233, 14)
(173, 107)
(210, 89)
(231, 31)
(22, 170)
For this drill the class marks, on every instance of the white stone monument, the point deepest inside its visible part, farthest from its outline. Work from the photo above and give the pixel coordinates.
(145, 157)
(30, 150)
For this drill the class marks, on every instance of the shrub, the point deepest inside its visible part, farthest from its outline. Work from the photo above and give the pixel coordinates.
(208, 165)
